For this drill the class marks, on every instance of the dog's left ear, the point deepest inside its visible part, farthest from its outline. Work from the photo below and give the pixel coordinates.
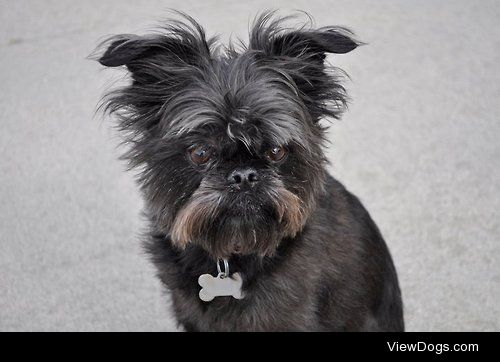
(301, 54)
(304, 43)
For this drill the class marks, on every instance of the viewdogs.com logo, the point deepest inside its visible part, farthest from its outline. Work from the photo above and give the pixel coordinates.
(437, 348)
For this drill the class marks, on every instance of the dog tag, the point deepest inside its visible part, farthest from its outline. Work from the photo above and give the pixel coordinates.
(222, 285)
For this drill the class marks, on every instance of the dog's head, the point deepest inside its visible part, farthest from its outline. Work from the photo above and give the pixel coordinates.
(228, 140)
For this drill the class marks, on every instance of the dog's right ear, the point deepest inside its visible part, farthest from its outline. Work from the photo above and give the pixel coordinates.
(124, 49)
(135, 51)
(150, 57)
(178, 43)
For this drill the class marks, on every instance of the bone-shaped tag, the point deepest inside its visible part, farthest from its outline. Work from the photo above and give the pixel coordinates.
(220, 286)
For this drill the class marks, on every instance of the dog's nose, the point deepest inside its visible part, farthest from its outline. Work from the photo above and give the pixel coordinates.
(243, 177)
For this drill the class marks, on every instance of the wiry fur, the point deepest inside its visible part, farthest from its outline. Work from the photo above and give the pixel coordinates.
(310, 255)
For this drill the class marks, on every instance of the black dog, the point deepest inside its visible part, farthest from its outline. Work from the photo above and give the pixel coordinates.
(232, 169)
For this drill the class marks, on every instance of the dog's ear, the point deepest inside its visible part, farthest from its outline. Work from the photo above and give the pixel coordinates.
(161, 66)
(124, 49)
(152, 57)
(301, 55)
(130, 50)
(312, 44)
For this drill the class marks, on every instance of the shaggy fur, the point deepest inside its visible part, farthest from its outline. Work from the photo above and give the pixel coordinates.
(310, 256)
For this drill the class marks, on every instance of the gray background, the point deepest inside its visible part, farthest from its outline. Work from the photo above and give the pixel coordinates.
(419, 146)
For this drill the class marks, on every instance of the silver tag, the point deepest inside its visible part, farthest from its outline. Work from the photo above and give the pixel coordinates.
(220, 286)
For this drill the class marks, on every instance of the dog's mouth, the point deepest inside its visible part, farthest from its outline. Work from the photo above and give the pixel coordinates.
(243, 245)
(244, 223)
(245, 206)
(243, 229)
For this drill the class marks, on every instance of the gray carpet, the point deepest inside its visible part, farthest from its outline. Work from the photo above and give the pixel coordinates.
(419, 146)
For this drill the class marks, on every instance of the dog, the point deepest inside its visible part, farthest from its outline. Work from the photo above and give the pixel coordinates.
(247, 229)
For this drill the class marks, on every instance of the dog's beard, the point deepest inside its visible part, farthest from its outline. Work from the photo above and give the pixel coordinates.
(251, 222)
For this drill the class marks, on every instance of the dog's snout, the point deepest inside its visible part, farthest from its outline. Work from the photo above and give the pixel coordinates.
(243, 177)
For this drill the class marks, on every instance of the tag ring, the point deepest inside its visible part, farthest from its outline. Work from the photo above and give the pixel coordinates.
(224, 273)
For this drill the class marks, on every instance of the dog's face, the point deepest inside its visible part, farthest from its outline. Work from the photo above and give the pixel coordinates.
(228, 142)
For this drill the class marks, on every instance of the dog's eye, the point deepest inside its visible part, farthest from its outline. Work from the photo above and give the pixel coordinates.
(276, 153)
(200, 154)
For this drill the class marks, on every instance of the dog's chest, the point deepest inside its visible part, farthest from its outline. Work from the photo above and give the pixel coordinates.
(265, 306)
